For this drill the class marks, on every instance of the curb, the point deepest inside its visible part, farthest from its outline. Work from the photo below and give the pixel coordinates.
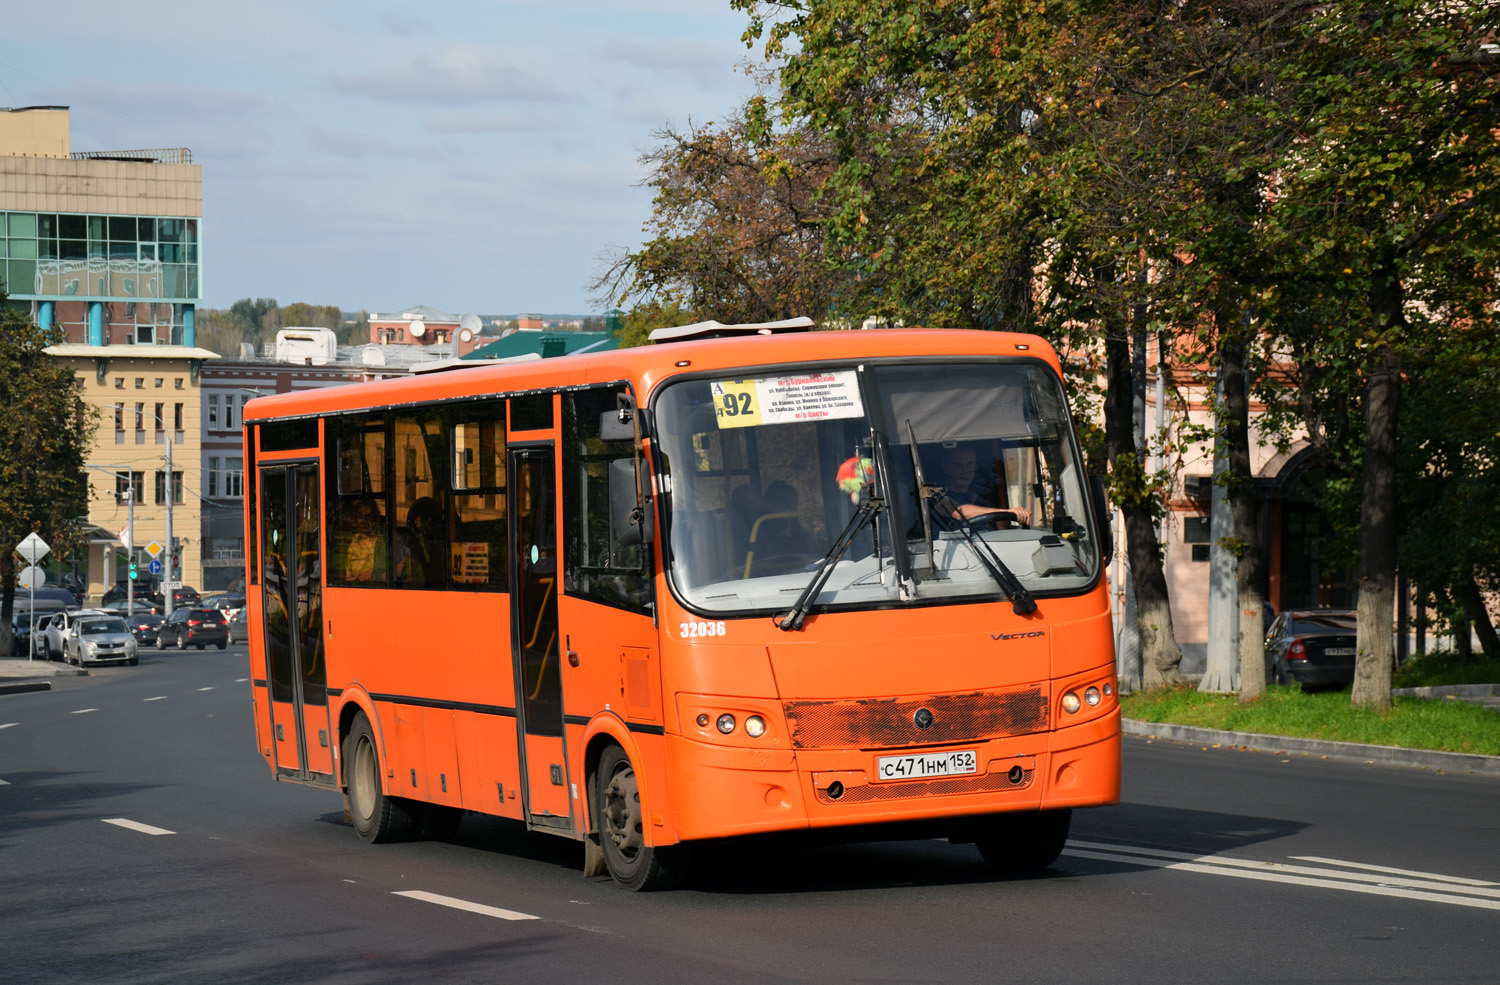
(1448, 691)
(21, 687)
(1454, 762)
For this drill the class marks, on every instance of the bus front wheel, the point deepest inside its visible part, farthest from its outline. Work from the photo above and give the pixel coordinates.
(377, 816)
(1024, 842)
(621, 826)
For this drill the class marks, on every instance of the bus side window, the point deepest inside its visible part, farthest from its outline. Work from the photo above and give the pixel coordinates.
(359, 542)
(479, 559)
(421, 501)
(595, 566)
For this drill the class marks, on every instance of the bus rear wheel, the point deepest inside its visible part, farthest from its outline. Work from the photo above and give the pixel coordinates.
(377, 816)
(621, 825)
(1024, 842)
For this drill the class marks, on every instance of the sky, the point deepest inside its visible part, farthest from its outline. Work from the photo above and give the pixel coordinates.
(471, 156)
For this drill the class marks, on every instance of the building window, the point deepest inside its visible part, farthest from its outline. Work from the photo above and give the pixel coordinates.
(229, 412)
(160, 382)
(177, 383)
(177, 417)
(140, 383)
(213, 410)
(122, 487)
(119, 424)
(119, 382)
(140, 416)
(234, 467)
(161, 487)
(213, 476)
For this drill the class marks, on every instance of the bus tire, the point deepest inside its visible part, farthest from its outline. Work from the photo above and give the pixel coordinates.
(377, 816)
(1024, 842)
(621, 826)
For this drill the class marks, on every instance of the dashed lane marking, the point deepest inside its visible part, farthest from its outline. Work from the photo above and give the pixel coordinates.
(1427, 887)
(159, 697)
(205, 689)
(4, 783)
(84, 711)
(241, 680)
(9, 724)
(145, 829)
(1456, 880)
(459, 904)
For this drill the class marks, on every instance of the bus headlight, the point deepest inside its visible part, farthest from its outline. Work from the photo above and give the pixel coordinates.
(1070, 702)
(755, 726)
(1091, 696)
(726, 723)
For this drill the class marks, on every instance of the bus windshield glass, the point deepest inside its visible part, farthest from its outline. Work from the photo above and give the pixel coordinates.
(957, 481)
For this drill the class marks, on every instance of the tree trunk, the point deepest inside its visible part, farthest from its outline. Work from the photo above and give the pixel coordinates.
(1479, 616)
(7, 604)
(1244, 504)
(1377, 515)
(1160, 655)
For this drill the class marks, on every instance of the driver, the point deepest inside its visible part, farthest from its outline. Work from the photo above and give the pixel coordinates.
(960, 494)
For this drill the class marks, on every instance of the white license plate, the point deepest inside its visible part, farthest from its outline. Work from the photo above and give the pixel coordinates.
(932, 764)
(1339, 651)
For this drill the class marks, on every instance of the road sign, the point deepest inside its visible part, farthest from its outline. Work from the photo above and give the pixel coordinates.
(155, 567)
(154, 548)
(125, 539)
(31, 577)
(33, 548)
(171, 585)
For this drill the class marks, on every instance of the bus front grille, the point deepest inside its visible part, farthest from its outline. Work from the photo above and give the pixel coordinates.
(927, 788)
(880, 723)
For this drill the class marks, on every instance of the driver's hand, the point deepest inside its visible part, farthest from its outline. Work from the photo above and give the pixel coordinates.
(1022, 515)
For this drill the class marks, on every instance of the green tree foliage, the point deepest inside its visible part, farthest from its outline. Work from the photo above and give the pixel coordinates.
(257, 320)
(45, 433)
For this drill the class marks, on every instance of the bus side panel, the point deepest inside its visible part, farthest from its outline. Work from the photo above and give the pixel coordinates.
(487, 761)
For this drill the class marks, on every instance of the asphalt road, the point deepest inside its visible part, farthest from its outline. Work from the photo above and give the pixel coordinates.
(142, 840)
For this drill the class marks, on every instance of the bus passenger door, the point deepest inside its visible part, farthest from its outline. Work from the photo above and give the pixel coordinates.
(534, 587)
(292, 582)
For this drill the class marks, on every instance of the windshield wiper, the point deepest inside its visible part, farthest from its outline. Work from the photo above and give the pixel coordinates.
(1021, 600)
(863, 516)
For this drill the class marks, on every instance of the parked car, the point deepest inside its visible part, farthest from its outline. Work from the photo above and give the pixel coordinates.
(239, 626)
(1314, 647)
(96, 639)
(143, 626)
(55, 633)
(20, 628)
(194, 627)
(47, 593)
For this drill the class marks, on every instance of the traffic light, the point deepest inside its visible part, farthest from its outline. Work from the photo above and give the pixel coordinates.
(133, 573)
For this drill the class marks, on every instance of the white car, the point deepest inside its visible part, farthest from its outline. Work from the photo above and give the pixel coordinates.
(99, 639)
(58, 627)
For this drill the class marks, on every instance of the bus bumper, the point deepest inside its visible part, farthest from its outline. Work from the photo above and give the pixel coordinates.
(721, 792)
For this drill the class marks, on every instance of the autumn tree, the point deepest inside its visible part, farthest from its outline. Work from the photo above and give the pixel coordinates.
(45, 433)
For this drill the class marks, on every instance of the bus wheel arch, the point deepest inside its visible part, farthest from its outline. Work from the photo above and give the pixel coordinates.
(377, 816)
(618, 820)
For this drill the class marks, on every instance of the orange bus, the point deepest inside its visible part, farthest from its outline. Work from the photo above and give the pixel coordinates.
(747, 579)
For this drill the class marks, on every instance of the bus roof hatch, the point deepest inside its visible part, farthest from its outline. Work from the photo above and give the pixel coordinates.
(718, 330)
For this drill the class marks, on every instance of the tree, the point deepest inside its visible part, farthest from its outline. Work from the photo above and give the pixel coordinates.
(45, 433)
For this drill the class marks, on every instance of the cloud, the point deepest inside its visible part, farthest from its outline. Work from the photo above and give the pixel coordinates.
(462, 75)
(352, 144)
(405, 26)
(471, 123)
(710, 64)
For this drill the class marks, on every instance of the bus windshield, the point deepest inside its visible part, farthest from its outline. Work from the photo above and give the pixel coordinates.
(949, 481)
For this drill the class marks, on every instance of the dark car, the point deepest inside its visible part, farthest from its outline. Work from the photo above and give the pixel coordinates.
(1313, 647)
(193, 627)
(144, 592)
(143, 625)
(239, 626)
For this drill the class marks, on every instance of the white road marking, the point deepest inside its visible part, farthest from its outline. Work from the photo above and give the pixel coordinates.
(84, 711)
(9, 724)
(205, 689)
(458, 904)
(145, 829)
(1433, 876)
(1300, 875)
(4, 783)
(241, 680)
(159, 697)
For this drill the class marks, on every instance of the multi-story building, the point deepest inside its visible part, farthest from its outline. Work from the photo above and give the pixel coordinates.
(104, 245)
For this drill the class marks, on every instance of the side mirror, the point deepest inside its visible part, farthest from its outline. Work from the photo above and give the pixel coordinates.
(630, 515)
(612, 428)
(1102, 512)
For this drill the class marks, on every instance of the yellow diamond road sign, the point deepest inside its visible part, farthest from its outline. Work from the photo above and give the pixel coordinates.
(154, 548)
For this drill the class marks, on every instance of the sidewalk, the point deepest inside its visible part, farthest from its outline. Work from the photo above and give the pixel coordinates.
(17, 674)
